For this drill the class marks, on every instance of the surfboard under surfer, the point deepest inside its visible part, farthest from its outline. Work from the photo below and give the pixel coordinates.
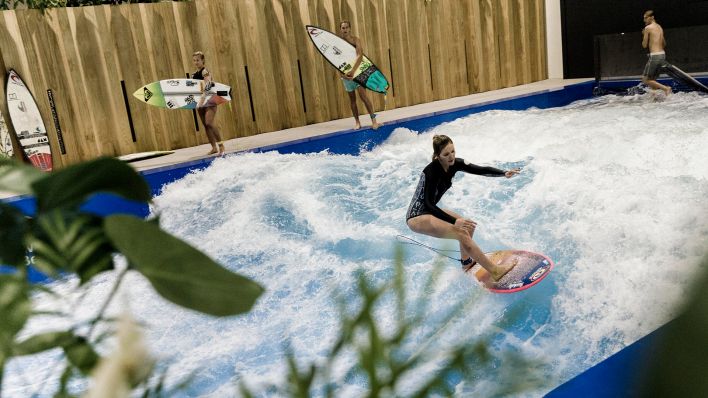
(207, 112)
(350, 85)
(425, 217)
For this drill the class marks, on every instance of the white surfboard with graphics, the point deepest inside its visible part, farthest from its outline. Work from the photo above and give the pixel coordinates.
(28, 124)
(183, 94)
(341, 54)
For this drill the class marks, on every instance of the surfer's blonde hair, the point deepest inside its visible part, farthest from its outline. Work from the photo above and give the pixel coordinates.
(198, 54)
(349, 24)
(439, 143)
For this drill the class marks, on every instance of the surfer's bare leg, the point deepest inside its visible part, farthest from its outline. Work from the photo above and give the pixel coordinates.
(465, 254)
(432, 226)
(355, 109)
(208, 115)
(369, 107)
(656, 85)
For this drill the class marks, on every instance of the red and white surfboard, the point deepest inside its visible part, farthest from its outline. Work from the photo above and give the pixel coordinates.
(28, 124)
(529, 270)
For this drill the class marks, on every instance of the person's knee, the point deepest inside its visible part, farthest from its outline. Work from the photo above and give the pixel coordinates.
(414, 225)
(411, 226)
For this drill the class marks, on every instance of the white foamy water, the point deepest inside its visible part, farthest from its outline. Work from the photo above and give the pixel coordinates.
(613, 189)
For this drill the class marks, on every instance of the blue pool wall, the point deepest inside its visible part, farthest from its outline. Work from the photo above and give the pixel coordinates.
(618, 85)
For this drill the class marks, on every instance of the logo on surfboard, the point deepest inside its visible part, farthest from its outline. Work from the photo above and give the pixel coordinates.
(147, 94)
(537, 274)
(16, 79)
(314, 32)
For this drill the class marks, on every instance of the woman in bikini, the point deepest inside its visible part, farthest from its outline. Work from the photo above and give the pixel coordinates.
(207, 112)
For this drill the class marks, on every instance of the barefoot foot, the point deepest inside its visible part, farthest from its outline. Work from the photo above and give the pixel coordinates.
(502, 269)
(222, 149)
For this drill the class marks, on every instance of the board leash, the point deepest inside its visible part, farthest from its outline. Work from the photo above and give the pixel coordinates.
(410, 241)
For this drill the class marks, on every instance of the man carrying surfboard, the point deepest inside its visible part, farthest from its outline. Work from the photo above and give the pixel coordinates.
(653, 37)
(348, 79)
(425, 217)
(207, 112)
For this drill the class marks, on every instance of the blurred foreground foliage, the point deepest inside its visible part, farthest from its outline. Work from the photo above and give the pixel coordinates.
(65, 240)
(679, 362)
(404, 360)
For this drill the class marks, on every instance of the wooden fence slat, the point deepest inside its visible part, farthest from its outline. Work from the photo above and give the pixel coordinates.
(31, 30)
(66, 102)
(284, 63)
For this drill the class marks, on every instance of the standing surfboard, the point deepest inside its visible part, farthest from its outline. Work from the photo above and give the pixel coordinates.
(530, 269)
(5, 140)
(342, 56)
(183, 94)
(28, 124)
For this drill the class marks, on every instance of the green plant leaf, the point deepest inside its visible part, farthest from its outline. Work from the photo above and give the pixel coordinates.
(13, 227)
(15, 309)
(81, 354)
(179, 272)
(18, 178)
(71, 241)
(42, 342)
(69, 187)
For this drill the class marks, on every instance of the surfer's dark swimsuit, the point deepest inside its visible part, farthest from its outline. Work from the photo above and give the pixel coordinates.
(198, 74)
(435, 181)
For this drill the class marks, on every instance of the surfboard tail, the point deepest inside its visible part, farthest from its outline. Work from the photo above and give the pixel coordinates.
(684, 78)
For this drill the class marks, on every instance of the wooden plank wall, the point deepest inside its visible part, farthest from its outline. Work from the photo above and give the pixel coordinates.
(429, 50)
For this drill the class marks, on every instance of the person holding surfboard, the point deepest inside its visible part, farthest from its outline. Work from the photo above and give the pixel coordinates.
(350, 85)
(207, 112)
(425, 217)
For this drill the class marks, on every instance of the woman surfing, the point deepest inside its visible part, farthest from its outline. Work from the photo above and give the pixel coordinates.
(425, 217)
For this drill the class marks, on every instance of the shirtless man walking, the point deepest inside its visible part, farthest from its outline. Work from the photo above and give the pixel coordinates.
(653, 37)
